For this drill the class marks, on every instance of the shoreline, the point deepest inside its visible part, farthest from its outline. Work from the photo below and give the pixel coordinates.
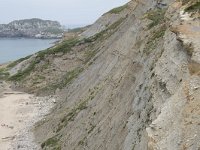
(19, 113)
(34, 38)
(23, 47)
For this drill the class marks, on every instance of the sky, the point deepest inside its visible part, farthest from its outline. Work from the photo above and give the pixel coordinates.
(67, 12)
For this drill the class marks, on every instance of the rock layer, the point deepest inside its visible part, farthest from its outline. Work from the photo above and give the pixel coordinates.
(138, 90)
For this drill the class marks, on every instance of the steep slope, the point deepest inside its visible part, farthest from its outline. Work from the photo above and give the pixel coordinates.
(138, 88)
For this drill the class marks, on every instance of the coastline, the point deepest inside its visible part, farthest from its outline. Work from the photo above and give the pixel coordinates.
(15, 48)
(19, 113)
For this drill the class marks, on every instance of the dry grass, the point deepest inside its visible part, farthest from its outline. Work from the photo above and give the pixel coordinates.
(194, 68)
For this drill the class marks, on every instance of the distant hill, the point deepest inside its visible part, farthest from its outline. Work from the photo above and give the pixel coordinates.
(32, 28)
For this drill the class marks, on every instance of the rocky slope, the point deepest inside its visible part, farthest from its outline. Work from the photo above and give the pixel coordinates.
(32, 28)
(131, 82)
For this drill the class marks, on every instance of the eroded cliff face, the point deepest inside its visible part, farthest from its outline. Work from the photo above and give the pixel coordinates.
(139, 89)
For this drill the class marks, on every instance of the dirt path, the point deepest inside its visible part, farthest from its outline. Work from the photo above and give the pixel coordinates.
(18, 113)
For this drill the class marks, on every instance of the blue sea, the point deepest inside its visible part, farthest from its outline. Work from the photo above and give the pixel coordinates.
(13, 49)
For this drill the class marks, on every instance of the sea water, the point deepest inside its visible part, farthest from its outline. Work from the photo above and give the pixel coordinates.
(13, 49)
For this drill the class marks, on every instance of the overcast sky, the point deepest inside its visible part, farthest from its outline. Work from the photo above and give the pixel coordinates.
(67, 12)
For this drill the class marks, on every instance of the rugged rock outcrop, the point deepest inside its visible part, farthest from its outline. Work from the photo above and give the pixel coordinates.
(32, 28)
(133, 83)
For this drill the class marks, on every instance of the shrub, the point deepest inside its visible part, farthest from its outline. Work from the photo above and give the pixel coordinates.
(3, 74)
(63, 47)
(105, 33)
(193, 8)
(22, 74)
(194, 68)
(118, 9)
(51, 143)
(157, 17)
(72, 115)
(13, 64)
(153, 39)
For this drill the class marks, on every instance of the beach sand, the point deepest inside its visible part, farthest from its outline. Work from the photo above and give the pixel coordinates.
(18, 114)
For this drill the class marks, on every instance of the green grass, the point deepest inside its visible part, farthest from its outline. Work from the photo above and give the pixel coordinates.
(89, 54)
(105, 33)
(13, 64)
(81, 142)
(115, 24)
(67, 78)
(3, 74)
(38, 79)
(118, 9)
(70, 76)
(51, 143)
(92, 128)
(71, 115)
(75, 30)
(22, 74)
(157, 17)
(153, 39)
(193, 8)
(64, 47)
(185, 1)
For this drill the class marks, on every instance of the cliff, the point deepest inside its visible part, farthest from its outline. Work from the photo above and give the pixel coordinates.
(32, 28)
(130, 81)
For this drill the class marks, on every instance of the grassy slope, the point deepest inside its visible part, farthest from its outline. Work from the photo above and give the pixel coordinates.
(41, 62)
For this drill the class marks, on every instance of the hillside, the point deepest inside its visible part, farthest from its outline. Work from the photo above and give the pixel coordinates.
(130, 81)
(32, 28)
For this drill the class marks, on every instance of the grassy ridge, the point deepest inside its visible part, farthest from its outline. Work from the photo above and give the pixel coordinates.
(157, 17)
(63, 47)
(193, 8)
(117, 10)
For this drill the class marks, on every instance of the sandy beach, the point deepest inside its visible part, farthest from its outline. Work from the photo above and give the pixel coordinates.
(18, 114)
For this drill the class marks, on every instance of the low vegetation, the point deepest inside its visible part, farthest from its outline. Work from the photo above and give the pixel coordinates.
(89, 55)
(62, 47)
(194, 68)
(22, 74)
(66, 79)
(70, 76)
(70, 116)
(189, 48)
(13, 64)
(105, 33)
(79, 29)
(91, 128)
(157, 17)
(154, 38)
(193, 8)
(40, 61)
(3, 74)
(51, 143)
(118, 9)
(185, 1)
